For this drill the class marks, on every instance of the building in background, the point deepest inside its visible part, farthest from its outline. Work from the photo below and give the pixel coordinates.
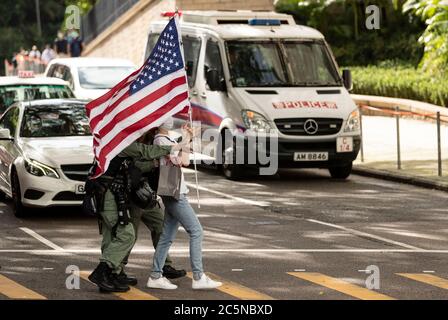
(118, 29)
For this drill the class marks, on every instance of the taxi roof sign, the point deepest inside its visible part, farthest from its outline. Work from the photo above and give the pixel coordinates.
(26, 74)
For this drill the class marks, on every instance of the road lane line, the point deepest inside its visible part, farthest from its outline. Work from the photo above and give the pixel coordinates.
(133, 294)
(267, 204)
(365, 234)
(38, 237)
(228, 196)
(340, 285)
(236, 290)
(13, 290)
(427, 278)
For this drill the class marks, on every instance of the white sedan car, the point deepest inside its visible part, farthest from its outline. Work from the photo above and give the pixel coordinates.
(45, 153)
(90, 78)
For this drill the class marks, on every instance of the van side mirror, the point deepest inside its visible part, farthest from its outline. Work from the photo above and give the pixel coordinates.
(214, 80)
(347, 78)
(5, 134)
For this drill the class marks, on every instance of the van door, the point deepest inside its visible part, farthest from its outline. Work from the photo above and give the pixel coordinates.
(212, 96)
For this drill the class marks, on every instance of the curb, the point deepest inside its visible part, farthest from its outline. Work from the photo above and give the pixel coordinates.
(402, 178)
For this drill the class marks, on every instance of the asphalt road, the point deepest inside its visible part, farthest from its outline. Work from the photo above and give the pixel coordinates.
(297, 235)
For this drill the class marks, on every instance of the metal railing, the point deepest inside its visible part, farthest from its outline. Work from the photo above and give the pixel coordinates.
(25, 63)
(102, 15)
(397, 113)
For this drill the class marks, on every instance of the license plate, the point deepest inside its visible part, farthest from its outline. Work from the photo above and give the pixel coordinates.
(79, 189)
(344, 144)
(311, 156)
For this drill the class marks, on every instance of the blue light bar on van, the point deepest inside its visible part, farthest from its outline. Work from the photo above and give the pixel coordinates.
(264, 22)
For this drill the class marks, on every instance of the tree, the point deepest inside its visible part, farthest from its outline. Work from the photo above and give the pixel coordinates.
(342, 23)
(18, 23)
(435, 37)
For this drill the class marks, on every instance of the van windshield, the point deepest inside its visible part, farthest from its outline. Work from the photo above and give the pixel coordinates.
(281, 64)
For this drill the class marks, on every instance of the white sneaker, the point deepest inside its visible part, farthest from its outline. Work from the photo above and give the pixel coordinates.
(161, 283)
(205, 283)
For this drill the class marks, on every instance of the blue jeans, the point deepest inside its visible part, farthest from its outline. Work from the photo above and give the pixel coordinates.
(179, 212)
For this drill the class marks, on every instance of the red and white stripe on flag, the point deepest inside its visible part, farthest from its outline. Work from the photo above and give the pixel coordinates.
(142, 101)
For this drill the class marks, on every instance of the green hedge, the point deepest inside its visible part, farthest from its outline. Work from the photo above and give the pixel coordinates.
(400, 82)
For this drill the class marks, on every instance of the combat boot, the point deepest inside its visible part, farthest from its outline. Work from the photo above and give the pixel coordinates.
(127, 279)
(171, 273)
(119, 286)
(101, 277)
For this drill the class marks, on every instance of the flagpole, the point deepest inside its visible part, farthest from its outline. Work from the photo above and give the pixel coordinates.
(190, 114)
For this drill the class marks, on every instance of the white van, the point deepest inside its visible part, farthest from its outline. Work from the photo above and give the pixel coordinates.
(261, 71)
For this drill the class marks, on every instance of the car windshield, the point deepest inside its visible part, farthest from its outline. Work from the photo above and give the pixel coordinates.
(102, 77)
(55, 121)
(13, 93)
(271, 64)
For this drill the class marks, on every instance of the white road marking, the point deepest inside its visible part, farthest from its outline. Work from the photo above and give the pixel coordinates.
(352, 231)
(38, 237)
(248, 251)
(365, 234)
(299, 270)
(237, 270)
(228, 196)
(428, 271)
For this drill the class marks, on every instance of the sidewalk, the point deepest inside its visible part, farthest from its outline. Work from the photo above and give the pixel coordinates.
(418, 140)
(419, 173)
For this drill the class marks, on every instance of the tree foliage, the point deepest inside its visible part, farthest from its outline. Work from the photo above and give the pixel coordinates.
(435, 37)
(18, 23)
(343, 24)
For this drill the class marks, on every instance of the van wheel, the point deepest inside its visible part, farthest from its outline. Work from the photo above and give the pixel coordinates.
(18, 208)
(341, 172)
(230, 169)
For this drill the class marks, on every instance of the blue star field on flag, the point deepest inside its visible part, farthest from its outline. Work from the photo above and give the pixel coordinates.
(164, 59)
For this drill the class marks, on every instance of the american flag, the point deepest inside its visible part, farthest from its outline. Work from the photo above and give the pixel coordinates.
(142, 101)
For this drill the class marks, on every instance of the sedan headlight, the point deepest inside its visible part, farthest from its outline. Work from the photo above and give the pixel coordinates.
(255, 121)
(39, 169)
(353, 122)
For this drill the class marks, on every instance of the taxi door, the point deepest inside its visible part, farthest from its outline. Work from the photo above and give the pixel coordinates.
(8, 149)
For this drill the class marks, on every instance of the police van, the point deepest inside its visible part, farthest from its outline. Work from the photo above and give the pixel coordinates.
(259, 72)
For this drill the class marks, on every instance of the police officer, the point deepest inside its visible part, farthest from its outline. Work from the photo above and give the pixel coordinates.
(151, 216)
(117, 229)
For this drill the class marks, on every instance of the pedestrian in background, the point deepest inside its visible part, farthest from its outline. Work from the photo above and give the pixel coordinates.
(61, 45)
(34, 53)
(34, 60)
(48, 54)
(178, 211)
(75, 44)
